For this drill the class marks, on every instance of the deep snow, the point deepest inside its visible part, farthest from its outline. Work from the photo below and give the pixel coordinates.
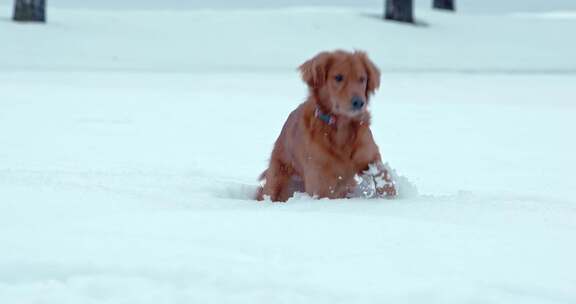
(130, 147)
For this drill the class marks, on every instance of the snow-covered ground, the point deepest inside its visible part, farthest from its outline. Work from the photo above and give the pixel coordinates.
(130, 143)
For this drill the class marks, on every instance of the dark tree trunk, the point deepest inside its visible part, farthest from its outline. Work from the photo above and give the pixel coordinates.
(400, 10)
(30, 10)
(444, 5)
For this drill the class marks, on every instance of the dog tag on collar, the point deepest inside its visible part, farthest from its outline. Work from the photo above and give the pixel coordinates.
(327, 118)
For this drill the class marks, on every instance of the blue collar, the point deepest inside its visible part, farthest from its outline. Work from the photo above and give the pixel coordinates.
(327, 118)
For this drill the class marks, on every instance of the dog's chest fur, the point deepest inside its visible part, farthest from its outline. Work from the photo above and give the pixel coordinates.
(341, 142)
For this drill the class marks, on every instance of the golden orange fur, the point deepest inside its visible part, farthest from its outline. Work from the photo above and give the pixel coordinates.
(327, 140)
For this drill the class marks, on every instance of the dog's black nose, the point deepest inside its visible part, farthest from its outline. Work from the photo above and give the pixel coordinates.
(357, 103)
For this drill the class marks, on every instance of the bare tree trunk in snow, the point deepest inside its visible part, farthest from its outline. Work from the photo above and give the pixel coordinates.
(399, 10)
(444, 5)
(30, 10)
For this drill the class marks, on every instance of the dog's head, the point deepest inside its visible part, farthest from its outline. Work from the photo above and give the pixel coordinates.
(342, 81)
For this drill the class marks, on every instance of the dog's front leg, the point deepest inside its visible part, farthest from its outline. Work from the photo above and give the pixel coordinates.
(376, 182)
(319, 184)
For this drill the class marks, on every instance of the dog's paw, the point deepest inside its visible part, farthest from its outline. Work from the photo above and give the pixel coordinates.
(385, 185)
(376, 182)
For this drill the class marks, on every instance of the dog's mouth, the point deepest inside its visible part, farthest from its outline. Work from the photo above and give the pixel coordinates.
(355, 113)
(350, 113)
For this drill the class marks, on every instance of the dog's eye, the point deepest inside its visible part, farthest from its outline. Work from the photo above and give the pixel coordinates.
(362, 79)
(339, 77)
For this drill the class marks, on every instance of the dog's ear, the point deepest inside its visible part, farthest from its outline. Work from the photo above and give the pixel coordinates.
(373, 73)
(315, 70)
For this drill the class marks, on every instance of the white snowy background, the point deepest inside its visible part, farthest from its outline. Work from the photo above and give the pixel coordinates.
(132, 134)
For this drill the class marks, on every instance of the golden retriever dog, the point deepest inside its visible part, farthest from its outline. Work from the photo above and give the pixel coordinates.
(326, 143)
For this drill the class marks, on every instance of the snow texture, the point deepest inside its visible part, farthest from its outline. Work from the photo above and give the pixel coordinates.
(131, 143)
